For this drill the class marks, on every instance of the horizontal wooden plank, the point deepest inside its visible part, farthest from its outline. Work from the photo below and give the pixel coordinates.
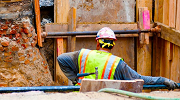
(55, 27)
(88, 85)
(170, 34)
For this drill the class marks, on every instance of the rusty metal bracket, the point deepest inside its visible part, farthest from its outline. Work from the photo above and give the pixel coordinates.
(156, 30)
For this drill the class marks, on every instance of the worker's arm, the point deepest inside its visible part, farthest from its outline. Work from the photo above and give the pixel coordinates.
(68, 63)
(124, 72)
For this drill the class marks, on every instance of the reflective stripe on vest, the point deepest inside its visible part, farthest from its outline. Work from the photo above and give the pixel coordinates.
(106, 63)
(83, 58)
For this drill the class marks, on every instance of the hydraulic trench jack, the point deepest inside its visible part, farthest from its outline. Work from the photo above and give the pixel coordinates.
(87, 74)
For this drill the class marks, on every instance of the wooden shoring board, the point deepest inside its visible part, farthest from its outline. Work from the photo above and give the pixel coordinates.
(173, 36)
(158, 11)
(165, 57)
(143, 3)
(144, 59)
(172, 13)
(72, 27)
(157, 41)
(174, 49)
(61, 10)
(169, 34)
(59, 48)
(178, 15)
(166, 12)
(156, 55)
(88, 85)
(143, 50)
(60, 78)
(124, 46)
(175, 70)
(38, 22)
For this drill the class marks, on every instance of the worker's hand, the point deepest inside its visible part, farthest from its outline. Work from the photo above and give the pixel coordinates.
(171, 84)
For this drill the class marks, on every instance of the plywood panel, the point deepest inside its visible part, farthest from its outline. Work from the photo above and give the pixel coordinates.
(124, 48)
(97, 11)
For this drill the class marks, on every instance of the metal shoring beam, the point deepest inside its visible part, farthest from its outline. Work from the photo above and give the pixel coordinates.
(95, 32)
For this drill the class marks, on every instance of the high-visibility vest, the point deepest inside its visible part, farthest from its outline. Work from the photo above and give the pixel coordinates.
(106, 63)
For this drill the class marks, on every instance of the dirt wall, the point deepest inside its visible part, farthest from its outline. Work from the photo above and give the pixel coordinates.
(21, 63)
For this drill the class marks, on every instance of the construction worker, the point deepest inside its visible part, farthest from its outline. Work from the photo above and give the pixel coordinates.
(109, 66)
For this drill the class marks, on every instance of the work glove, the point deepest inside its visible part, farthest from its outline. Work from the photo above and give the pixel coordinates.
(171, 84)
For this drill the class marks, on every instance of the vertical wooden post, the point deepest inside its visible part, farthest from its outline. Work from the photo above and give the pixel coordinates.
(157, 42)
(166, 57)
(166, 12)
(174, 50)
(38, 21)
(158, 11)
(178, 15)
(72, 27)
(61, 9)
(172, 13)
(175, 70)
(143, 53)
